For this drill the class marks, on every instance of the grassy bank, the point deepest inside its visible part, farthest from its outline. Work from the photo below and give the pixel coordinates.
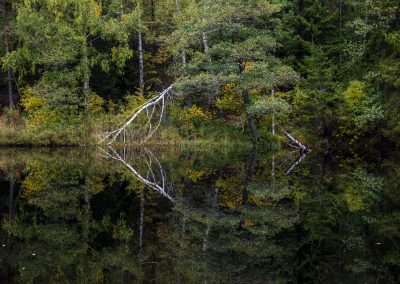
(85, 135)
(12, 135)
(15, 130)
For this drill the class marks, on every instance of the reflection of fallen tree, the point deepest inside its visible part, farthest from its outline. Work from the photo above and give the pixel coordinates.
(289, 161)
(154, 178)
(298, 161)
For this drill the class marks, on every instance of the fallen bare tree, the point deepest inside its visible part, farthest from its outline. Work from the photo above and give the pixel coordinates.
(148, 107)
(147, 127)
(296, 143)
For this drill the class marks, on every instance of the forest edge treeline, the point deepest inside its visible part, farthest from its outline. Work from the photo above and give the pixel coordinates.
(325, 70)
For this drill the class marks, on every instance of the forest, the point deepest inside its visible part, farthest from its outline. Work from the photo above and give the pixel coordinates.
(199, 141)
(241, 70)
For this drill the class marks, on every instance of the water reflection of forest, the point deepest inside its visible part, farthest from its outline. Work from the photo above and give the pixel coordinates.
(73, 215)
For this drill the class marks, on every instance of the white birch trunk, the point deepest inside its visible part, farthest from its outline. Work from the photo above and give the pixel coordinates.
(273, 113)
(205, 42)
(140, 49)
(183, 55)
(86, 72)
(141, 221)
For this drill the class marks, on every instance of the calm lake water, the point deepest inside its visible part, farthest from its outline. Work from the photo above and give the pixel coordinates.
(161, 215)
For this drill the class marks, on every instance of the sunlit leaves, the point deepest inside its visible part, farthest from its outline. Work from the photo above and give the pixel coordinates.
(363, 109)
(269, 105)
(57, 45)
(120, 55)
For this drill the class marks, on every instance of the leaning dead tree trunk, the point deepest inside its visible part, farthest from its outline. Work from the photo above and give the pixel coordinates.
(149, 108)
(296, 142)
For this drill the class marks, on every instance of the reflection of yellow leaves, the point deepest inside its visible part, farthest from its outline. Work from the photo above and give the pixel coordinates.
(354, 200)
(36, 180)
(121, 231)
(354, 94)
(31, 186)
(99, 277)
(259, 202)
(114, 52)
(231, 189)
(95, 184)
(298, 193)
(248, 223)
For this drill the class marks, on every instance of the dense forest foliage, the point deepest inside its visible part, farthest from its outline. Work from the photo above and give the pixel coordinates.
(326, 71)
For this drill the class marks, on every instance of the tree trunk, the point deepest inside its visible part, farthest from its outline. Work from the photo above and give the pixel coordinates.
(87, 213)
(9, 236)
(246, 102)
(140, 48)
(273, 113)
(205, 42)
(154, 24)
(340, 26)
(273, 165)
(183, 55)
(11, 198)
(7, 50)
(250, 173)
(86, 73)
(250, 118)
(141, 221)
(153, 11)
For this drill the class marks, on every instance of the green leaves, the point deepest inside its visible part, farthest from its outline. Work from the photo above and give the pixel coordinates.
(229, 43)
(362, 107)
(58, 45)
(269, 105)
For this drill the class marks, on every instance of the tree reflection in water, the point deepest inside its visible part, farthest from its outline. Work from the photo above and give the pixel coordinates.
(158, 216)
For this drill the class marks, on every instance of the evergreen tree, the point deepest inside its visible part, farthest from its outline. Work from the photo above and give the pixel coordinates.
(233, 45)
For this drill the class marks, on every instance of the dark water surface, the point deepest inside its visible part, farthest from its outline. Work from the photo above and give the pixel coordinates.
(171, 216)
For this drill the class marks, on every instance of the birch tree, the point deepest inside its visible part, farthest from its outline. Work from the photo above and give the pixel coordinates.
(58, 45)
(140, 49)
